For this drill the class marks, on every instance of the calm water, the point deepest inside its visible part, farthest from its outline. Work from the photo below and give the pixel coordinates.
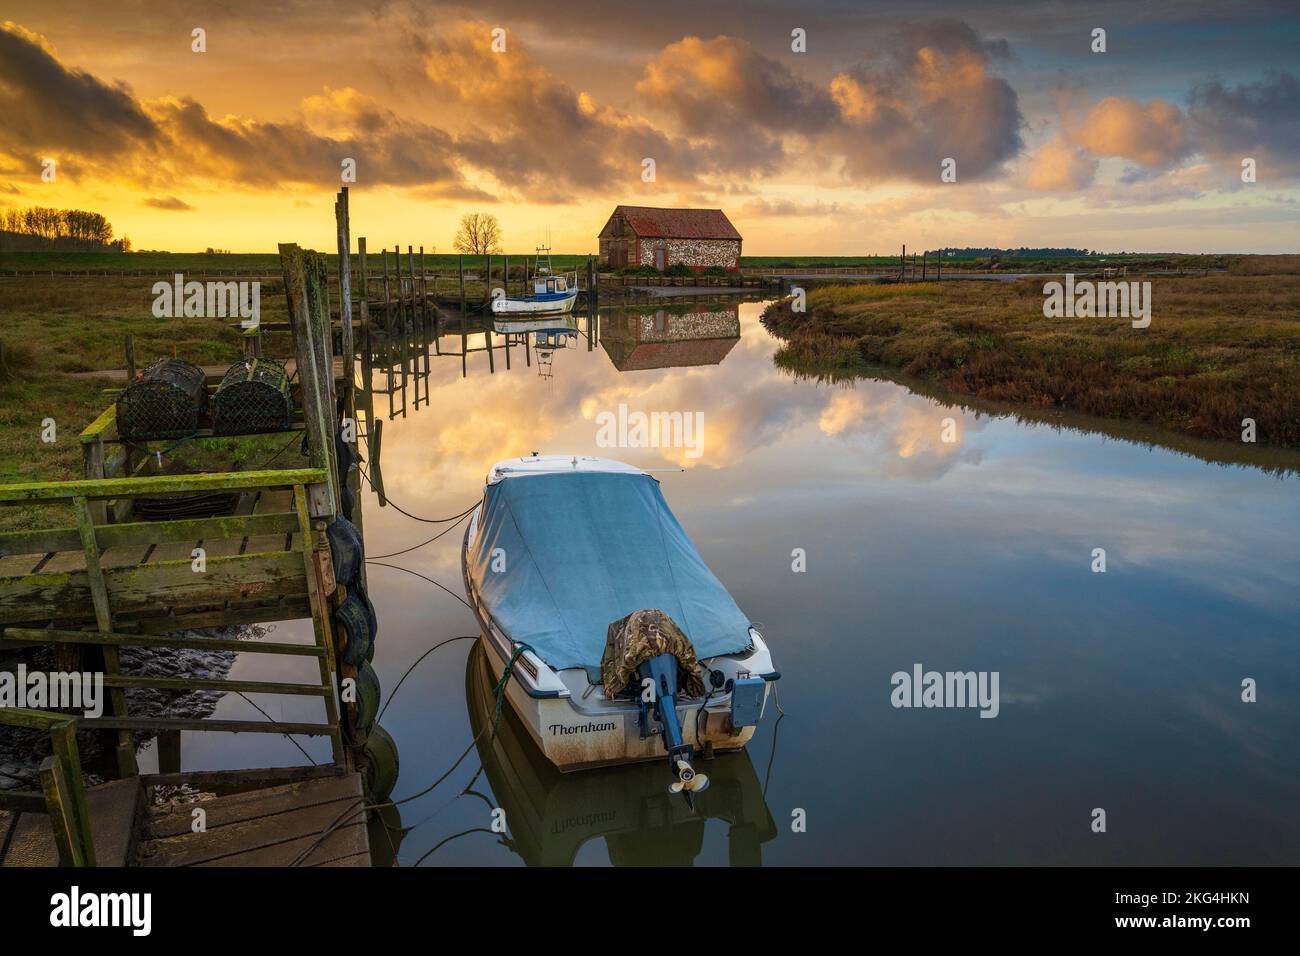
(1119, 690)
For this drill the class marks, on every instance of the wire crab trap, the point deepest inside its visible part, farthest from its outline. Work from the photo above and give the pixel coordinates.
(253, 397)
(165, 402)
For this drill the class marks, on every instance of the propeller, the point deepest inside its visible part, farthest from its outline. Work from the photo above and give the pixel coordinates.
(688, 779)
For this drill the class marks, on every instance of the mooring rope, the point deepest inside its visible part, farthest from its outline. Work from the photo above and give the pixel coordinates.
(389, 501)
(414, 547)
(351, 812)
(398, 567)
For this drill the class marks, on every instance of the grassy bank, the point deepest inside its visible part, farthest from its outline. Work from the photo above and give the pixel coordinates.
(1219, 349)
(56, 332)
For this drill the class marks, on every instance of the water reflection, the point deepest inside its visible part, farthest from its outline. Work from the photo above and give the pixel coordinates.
(1119, 690)
(670, 339)
(540, 338)
(552, 814)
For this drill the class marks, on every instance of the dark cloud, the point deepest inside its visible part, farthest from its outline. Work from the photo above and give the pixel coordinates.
(97, 128)
(724, 89)
(1260, 120)
(927, 95)
(168, 202)
(45, 106)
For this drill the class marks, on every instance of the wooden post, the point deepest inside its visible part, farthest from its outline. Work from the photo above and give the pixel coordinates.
(922, 265)
(376, 472)
(345, 290)
(460, 268)
(126, 764)
(63, 738)
(319, 602)
(56, 788)
(902, 265)
(367, 369)
(314, 367)
(388, 335)
(130, 358)
(169, 751)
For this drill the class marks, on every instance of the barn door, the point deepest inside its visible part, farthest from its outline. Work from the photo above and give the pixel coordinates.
(659, 258)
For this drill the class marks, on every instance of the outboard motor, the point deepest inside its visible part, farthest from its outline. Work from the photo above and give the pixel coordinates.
(659, 700)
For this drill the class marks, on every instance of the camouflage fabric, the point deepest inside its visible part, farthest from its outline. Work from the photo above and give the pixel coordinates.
(641, 635)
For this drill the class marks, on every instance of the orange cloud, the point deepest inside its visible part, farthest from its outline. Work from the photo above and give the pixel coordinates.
(1059, 165)
(1153, 135)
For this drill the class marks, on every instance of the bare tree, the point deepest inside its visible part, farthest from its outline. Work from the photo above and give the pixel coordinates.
(479, 234)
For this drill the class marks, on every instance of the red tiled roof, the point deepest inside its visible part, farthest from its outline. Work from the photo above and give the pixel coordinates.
(649, 221)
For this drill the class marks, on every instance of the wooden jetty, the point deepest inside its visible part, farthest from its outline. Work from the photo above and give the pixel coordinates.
(99, 576)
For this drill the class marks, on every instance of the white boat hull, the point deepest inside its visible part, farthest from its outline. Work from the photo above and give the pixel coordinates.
(531, 306)
(576, 740)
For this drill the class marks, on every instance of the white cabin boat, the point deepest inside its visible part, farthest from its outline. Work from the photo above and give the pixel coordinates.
(547, 573)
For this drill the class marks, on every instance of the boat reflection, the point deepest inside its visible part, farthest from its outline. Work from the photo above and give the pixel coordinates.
(550, 815)
(549, 334)
(666, 339)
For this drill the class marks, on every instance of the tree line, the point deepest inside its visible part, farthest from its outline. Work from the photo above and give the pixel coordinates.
(62, 228)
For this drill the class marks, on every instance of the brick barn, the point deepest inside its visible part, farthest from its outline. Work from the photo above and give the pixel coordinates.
(647, 236)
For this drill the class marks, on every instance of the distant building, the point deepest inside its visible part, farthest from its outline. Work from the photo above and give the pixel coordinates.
(647, 236)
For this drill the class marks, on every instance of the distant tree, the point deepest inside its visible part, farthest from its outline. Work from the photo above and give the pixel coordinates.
(479, 234)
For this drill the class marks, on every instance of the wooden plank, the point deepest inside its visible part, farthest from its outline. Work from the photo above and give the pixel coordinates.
(113, 807)
(158, 484)
(239, 780)
(317, 413)
(280, 501)
(320, 619)
(67, 842)
(230, 686)
(32, 719)
(215, 726)
(98, 429)
(67, 595)
(16, 636)
(19, 565)
(275, 838)
(174, 819)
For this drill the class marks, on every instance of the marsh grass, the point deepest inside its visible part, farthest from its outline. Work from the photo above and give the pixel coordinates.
(1219, 349)
(57, 331)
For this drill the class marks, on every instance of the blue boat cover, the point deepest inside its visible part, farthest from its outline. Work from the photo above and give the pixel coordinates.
(583, 549)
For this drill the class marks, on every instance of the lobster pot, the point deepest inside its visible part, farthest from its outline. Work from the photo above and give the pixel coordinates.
(253, 397)
(165, 402)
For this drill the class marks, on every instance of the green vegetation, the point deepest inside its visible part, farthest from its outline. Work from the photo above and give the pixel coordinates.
(1219, 349)
(56, 331)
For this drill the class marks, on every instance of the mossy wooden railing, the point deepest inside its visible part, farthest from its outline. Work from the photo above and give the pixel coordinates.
(31, 604)
(63, 789)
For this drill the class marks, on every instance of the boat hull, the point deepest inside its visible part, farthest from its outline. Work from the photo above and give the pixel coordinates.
(574, 740)
(556, 304)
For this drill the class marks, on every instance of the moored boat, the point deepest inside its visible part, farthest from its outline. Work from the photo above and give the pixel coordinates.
(550, 293)
(622, 645)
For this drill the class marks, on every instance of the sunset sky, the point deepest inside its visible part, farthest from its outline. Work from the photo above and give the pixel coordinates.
(834, 151)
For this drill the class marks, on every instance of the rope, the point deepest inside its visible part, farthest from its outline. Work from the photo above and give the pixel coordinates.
(351, 812)
(413, 547)
(398, 567)
(398, 508)
(450, 640)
